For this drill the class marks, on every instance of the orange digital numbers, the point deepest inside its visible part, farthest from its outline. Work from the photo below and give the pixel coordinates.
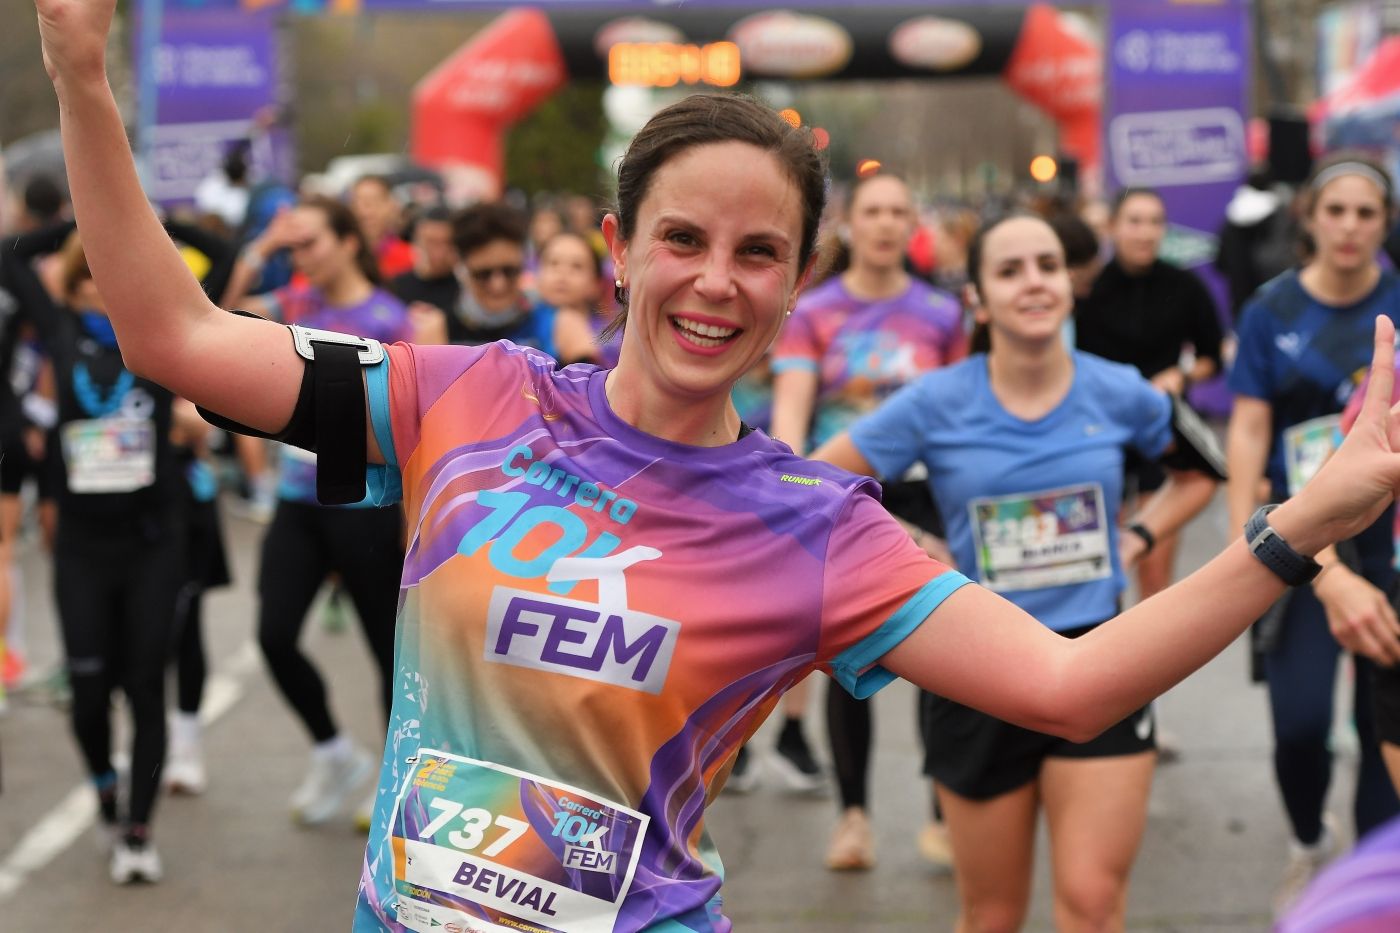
(666, 64)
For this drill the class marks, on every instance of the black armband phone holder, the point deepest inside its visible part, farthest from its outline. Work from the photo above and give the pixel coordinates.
(329, 416)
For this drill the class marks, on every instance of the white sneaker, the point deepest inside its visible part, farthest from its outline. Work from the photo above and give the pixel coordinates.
(1304, 862)
(184, 772)
(130, 864)
(329, 783)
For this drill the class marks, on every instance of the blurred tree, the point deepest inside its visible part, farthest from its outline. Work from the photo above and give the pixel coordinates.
(27, 103)
(556, 147)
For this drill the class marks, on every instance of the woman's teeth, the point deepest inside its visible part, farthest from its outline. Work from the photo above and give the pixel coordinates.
(704, 335)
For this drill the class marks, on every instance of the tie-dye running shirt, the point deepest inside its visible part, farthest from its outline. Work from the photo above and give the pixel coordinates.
(592, 621)
(862, 350)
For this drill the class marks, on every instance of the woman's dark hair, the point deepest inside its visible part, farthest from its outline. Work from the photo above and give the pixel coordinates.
(435, 214)
(582, 241)
(981, 339)
(1078, 238)
(43, 199)
(1124, 194)
(702, 119)
(488, 222)
(1311, 190)
(343, 224)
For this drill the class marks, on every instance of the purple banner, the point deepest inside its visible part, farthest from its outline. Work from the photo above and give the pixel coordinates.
(1174, 120)
(1175, 111)
(217, 82)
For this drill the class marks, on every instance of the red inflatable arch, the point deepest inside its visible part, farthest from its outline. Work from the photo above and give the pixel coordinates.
(463, 108)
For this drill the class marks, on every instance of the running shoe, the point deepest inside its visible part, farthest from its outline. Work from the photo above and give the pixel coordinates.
(794, 765)
(184, 771)
(184, 762)
(743, 778)
(852, 846)
(329, 784)
(1304, 862)
(935, 846)
(133, 863)
(334, 616)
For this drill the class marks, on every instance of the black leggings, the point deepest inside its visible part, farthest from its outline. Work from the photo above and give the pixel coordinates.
(116, 606)
(303, 546)
(190, 666)
(848, 721)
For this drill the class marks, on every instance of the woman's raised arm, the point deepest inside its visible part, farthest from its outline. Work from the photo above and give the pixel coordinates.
(167, 328)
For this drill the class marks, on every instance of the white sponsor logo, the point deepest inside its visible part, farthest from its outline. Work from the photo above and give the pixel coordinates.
(791, 45)
(1290, 344)
(1178, 147)
(1168, 52)
(603, 641)
(634, 29)
(935, 43)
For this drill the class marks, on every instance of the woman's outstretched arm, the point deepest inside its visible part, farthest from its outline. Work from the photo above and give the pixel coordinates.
(978, 649)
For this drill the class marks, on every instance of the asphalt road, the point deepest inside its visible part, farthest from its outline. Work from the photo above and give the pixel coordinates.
(1214, 849)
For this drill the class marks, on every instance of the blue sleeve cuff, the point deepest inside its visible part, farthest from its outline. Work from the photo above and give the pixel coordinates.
(383, 481)
(857, 668)
(792, 363)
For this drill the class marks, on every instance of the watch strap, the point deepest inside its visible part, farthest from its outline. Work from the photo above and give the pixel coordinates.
(1271, 550)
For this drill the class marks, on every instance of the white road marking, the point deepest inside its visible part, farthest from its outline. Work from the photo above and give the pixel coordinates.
(60, 827)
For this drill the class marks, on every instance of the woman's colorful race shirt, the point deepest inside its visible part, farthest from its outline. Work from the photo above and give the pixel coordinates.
(593, 620)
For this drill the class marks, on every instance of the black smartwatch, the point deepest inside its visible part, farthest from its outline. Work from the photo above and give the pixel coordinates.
(1275, 553)
(1148, 538)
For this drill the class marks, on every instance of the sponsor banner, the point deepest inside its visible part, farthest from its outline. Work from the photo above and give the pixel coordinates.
(1174, 120)
(802, 41)
(216, 74)
(1177, 100)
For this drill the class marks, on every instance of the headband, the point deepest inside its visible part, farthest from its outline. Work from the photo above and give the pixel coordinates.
(1333, 172)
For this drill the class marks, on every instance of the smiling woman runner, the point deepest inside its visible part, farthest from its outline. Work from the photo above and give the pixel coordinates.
(610, 581)
(1028, 467)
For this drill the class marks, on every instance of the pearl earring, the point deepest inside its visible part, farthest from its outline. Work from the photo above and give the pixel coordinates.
(617, 282)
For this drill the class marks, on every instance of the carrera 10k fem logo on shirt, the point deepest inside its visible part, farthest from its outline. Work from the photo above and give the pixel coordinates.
(604, 641)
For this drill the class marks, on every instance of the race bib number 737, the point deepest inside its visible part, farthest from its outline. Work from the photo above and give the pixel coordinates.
(478, 846)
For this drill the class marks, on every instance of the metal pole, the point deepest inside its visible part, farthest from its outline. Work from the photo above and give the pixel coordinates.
(147, 91)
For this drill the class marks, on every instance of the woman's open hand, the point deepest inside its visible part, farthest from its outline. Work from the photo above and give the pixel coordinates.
(74, 37)
(1356, 484)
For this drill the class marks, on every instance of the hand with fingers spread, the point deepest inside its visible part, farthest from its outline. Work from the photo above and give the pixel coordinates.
(1359, 615)
(1356, 484)
(74, 37)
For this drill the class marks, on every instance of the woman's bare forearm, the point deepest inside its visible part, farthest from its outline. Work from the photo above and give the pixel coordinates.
(151, 296)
